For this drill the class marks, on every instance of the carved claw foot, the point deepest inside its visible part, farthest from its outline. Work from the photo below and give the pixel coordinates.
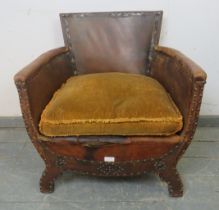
(47, 179)
(173, 180)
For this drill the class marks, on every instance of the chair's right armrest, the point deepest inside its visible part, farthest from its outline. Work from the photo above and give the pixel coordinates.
(184, 80)
(37, 82)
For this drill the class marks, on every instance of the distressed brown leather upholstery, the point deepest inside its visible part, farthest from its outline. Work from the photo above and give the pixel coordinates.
(133, 155)
(185, 76)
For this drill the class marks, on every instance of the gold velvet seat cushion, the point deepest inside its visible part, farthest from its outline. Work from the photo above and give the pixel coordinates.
(110, 104)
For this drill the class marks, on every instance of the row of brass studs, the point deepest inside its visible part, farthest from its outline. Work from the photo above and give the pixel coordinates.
(110, 168)
(152, 44)
(110, 14)
(70, 53)
(196, 103)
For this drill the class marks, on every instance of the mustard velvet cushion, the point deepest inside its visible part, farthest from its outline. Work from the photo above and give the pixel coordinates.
(110, 104)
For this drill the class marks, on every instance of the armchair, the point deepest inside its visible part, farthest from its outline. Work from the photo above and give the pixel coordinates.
(113, 154)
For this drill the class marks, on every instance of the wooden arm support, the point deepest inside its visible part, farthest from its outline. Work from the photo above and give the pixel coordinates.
(184, 80)
(37, 82)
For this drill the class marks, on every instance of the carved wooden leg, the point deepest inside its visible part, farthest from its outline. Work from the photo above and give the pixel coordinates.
(172, 178)
(48, 178)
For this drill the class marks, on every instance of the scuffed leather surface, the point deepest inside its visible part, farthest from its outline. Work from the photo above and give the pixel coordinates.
(178, 74)
(43, 77)
(102, 43)
(122, 148)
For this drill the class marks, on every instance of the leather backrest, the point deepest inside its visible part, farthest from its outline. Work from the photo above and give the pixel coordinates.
(111, 41)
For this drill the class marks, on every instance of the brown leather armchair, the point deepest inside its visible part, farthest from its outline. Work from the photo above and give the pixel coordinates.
(135, 154)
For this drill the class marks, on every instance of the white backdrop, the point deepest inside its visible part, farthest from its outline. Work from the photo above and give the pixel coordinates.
(29, 28)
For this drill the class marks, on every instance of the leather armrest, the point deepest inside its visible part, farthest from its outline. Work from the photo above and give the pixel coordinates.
(33, 68)
(196, 71)
(37, 82)
(184, 80)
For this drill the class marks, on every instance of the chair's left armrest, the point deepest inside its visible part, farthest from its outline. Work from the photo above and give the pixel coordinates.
(37, 82)
(184, 80)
